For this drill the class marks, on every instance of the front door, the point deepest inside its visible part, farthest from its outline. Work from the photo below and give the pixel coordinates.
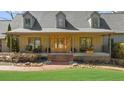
(60, 44)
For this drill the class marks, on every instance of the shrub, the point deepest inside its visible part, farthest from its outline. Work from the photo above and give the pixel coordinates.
(40, 58)
(90, 49)
(37, 50)
(29, 48)
(78, 59)
(75, 50)
(82, 49)
(118, 50)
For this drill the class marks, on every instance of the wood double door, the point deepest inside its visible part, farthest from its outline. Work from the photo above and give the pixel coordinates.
(60, 43)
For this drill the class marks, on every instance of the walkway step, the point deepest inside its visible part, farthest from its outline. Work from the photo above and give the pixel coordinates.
(60, 59)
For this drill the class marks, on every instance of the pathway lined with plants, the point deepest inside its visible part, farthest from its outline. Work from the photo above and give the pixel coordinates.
(34, 68)
(55, 67)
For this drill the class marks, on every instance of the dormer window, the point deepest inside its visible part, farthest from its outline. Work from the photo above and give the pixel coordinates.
(28, 22)
(94, 20)
(60, 20)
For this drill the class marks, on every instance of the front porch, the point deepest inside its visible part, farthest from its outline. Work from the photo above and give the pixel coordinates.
(62, 45)
(62, 42)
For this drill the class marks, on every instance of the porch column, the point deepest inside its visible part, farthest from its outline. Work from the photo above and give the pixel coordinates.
(10, 50)
(73, 44)
(103, 44)
(110, 44)
(47, 43)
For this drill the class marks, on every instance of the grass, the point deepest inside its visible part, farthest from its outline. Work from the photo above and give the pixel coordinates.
(77, 74)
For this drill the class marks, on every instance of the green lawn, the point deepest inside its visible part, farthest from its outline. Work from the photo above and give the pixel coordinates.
(66, 74)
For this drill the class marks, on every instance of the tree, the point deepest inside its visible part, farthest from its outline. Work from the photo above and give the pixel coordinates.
(15, 44)
(12, 42)
(11, 14)
(9, 38)
(14, 13)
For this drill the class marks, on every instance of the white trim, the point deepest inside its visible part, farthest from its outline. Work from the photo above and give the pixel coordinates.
(50, 30)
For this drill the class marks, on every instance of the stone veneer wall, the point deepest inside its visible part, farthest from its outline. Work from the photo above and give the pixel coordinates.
(119, 62)
(93, 59)
(8, 57)
(21, 57)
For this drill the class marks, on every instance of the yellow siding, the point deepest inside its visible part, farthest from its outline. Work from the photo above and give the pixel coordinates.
(97, 43)
(97, 40)
(23, 41)
(4, 46)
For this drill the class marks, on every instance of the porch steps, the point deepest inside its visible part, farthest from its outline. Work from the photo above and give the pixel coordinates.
(60, 59)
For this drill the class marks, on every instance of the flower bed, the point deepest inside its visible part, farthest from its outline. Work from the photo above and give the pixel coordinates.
(22, 57)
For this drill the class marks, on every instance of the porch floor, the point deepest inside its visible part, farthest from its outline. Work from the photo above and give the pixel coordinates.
(79, 54)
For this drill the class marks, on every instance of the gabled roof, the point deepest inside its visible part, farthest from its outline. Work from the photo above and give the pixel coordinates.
(75, 19)
(47, 19)
(113, 21)
(17, 22)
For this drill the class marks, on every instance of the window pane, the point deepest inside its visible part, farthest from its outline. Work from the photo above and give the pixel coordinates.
(37, 42)
(88, 42)
(60, 22)
(30, 41)
(61, 43)
(95, 22)
(27, 22)
(85, 42)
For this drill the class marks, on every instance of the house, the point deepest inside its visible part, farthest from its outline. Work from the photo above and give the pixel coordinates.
(60, 31)
(67, 31)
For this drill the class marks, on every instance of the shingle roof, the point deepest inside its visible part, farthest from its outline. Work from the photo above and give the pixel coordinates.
(77, 19)
(113, 21)
(47, 19)
(3, 27)
(17, 22)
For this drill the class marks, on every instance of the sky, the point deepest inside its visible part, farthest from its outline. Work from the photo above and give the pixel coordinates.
(4, 15)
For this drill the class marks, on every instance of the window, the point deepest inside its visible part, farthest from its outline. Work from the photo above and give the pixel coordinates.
(59, 43)
(60, 19)
(95, 22)
(31, 41)
(35, 42)
(85, 42)
(61, 22)
(28, 22)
